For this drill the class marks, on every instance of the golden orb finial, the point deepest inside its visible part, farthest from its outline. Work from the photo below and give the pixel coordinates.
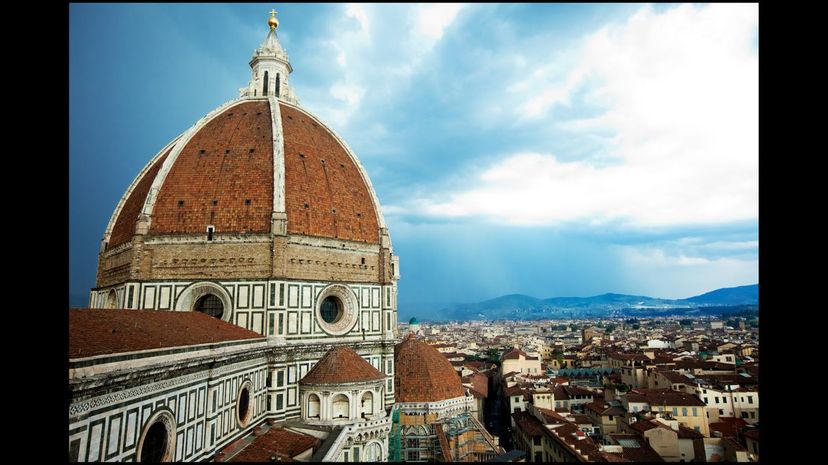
(273, 22)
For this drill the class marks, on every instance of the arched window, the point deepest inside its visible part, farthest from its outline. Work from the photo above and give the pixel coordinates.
(264, 89)
(157, 442)
(211, 305)
(341, 407)
(313, 406)
(373, 452)
(278, 87)
(367, 405)
(112, 299)
(243, 405)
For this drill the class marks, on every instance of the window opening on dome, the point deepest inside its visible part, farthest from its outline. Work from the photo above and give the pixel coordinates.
(180, 203)
(301, 155)
(210, 231)
(252, 150)
(307, 206)
(363, 260)
(333, 210)
(201, 152)
(215, 202)
(277, 84)
(227, 151)
(211, 305)
(331, 309)
(247, 201)
(264, 88)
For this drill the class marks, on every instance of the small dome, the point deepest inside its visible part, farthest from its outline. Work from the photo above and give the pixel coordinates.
(423, 374)
(413, 321)
(341, 365)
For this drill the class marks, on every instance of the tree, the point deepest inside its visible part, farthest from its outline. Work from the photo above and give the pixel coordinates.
(610, 328)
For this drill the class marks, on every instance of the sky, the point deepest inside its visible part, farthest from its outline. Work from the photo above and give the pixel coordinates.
(540, 149)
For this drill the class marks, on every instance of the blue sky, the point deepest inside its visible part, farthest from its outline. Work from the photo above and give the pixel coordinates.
(549, 150)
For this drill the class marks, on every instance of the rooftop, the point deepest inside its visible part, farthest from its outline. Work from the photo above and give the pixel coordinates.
(112, 331)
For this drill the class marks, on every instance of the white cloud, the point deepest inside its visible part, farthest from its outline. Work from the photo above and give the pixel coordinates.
(680, 90)
(658, 273)
(434, 18)
(377, 49)
(357, 11)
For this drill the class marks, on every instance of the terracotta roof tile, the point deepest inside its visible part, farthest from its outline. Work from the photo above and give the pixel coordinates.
(341, 365)
(124, 227)
(112, 331)
(319, 173)
(422, 374)
(669, 397)
(217, 164)
(528, 424)
(276, 442)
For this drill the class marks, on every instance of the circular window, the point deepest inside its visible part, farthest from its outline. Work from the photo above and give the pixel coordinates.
(336, 309)
(157, 442)
(243, 408)
(211, 305)
(331, 309)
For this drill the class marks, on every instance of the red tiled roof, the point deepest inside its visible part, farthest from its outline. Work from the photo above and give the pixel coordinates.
(422, 374)
(320, 173)
(528, 424)
(341, 365)
(276, 442)
(688, 433)
(669, 397)
(728, 426)
(551, 416)
(226, 172)
(112, 331)
(479, 384)
(514, 354)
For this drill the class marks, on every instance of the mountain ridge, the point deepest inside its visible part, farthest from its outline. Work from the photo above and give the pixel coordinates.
(520, 306)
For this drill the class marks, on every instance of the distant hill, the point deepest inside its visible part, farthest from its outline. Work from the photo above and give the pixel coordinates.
(742, 295)
(519, 306)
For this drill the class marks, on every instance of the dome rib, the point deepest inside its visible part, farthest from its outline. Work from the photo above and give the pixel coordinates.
(124, 227)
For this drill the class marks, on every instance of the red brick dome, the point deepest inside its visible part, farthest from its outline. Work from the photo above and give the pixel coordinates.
(248, 162)
(422, 374)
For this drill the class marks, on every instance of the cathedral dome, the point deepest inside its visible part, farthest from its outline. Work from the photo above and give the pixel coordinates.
(243, 165)
(423, 374)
